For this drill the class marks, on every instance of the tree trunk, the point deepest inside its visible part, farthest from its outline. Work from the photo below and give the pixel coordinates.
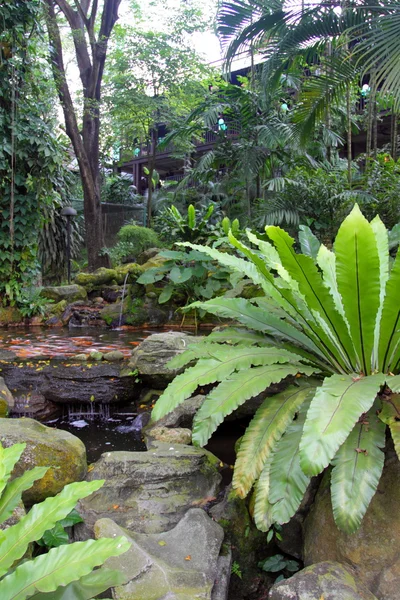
(91, 59)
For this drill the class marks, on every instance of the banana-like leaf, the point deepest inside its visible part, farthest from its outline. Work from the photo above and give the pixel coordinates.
(309, 243)
(382, 241)
(335, 409)
(357, 469)
(243, 311)
(388, 353)
(263, 433)
(262, 512)
(234, 391)
(393, 382)
(59, 567)
(218, 363)
(326, 261)
(288, 483)
(87, 587)
(41, 517)
(8, 458)
(358, 279)
(237, 335)
(11, 496)
(390, 414)
(303, 270)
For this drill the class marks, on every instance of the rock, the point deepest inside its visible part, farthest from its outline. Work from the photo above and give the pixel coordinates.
(374, 549)
(128, 273)
(10, 315)
(151, 356)
(173, 436)
(112, 315)
(6, 399)
(325, 580)
(150, 491)
(64, 383)
(95, 355)
(112, 293)
(64, 453)
(137, 424)
(147, 255)
(80, 357)
(182, 415)
(57, 309)
(97, 278)
(224, 568)
(68, 293)
(180, 564)
(113, 356)
(35, 406)
(154, 261)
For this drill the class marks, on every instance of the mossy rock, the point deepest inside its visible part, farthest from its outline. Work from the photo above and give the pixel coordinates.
(10, 315)
(66, 293)
(6, 399)
(62, 452)
(58, 309)
(96, 279)
(130, 272)
(111, 313)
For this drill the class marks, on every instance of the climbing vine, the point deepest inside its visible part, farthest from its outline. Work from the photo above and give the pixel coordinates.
(31, 156)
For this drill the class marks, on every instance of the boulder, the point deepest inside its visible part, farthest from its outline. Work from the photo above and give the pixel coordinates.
(374, 549)
(10, 315)
(178, 435)
(6, 399)
(99, 277)
(150, 491)
(35, 406)
(182, 415)
(326, 580)
(62, 452)
(180, 564)
(147, 255)
(113, 356)
(67, 293)
(152, 355)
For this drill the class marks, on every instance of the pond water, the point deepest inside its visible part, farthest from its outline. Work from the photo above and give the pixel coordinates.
(58, 343)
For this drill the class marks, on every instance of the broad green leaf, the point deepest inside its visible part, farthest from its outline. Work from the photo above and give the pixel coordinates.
(326, 261)
(236, 335)
(393, 382)
(191, 217)
(180, 274)
(390, 321)
(86, 587)
(59, 567)
(41, 517)
(394, 236)
(54, 537)
(390, 414)
(11, 496)
(8, 458)
(152, 275)
(335, 409)
(243, 311)
(166, 294)
(217, 365)
(288, 483)
(357, 469)
(358, 279)
(235, 390)
(381, 236)
(262, 509)
(303, 270)
(263, 433)
(309, 243)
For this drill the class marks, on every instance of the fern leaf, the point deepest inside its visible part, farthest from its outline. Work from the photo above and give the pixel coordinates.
(11, 496)
(335, 409)
(388, 352)
(288, 483)
(237, 335)
(326, 261)
(262, 513)
(87, 587)
(41, 517)
(357, 469)
(264, 431)
(390, 414)
(382, 240)
(59, 567)
(234, 391)
(8, 458)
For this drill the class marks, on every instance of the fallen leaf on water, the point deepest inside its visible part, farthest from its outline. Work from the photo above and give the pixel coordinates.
(162, 543)
(188, 557)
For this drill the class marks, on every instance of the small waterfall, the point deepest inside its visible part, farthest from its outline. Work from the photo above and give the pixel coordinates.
(89, 412)
(122, 299)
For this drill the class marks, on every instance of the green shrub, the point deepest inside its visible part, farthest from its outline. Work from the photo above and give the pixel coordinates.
(132, 241)
(65, 571)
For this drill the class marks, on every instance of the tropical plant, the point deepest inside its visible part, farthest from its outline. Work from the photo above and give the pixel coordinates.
(65, 571)
(194, 226)
(132, 241)
(333, 315)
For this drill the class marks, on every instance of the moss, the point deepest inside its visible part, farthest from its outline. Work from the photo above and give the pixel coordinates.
(59, 308)
(130, 272)
(100, 277)
(9, 315)
(3, 408)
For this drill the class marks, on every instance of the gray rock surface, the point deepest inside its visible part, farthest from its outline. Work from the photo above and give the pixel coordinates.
(62, 452)
(152, 355)
(70, 293)
(326, 580)
(182, 415)
(180, 564)
(149, 491)
(178, 435)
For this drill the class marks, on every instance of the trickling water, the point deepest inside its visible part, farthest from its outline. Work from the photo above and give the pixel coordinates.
(122, 299)
(89, 411)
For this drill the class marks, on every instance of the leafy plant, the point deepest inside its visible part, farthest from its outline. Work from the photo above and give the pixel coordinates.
(133, 240)
(236, 570)
(65, 571)
(195, 226)
(280, 563)
(335, 317)
(189, 275)
(30, 303)
(58, 535)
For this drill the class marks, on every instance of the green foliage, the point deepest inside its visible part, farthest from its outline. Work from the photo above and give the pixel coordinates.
(236, 570)
(330, 314)
(194, 226)
(280, 563)
(187, 276)
(58, 535)
(30, 303)
(133, 240)
(65, 569)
